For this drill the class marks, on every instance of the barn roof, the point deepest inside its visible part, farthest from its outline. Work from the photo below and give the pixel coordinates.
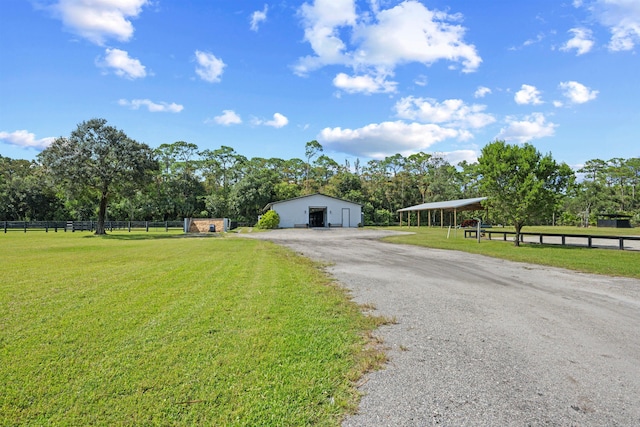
(269, 205)
(460, 205)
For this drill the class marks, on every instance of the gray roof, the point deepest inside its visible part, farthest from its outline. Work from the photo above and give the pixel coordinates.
(461, 205)
(269, 205)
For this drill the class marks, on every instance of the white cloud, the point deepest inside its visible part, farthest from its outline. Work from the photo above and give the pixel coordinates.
(409, 32)
(536, 40)
(452, 112)
(322, 21)
(582, 41)
(227, 118)
(122, 64)
(258, 16)
(278, 121)
(533, 126)
(209, 67)
(366, 84)
(379, 140)
(22, 138)
(153, 107)
(481, 92)
(374, 43)
(99, 20)
(528, 95)
(578, 93)
(457, 156)
(621, 17)
(421, 80)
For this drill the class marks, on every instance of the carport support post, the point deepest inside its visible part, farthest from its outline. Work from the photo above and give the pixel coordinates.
(455, 221)
(441, 218)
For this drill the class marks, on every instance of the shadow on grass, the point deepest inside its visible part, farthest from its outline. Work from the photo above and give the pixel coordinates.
(577, 247)
(145, 236)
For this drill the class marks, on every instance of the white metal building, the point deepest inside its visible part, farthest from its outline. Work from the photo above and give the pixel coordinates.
(317, 210)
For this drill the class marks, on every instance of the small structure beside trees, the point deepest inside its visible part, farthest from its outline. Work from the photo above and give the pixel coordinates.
(614, 220)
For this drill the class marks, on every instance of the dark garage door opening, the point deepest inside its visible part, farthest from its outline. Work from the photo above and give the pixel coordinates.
(317, 217)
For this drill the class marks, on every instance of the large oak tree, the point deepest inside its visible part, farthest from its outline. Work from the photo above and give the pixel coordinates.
(97, 160)
(522, 185)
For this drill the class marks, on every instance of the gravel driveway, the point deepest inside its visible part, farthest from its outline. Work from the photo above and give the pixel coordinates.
(482, 341)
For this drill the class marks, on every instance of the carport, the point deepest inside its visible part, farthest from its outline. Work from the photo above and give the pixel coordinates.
(454, 206)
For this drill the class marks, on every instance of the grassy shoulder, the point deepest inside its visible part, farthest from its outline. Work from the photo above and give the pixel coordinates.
(599, 261)
(152, 329)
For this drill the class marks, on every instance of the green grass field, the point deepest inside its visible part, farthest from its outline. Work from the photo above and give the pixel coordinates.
(589, 260)
(158, 329)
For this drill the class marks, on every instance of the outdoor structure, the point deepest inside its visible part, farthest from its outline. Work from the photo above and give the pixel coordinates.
(454, 206)
(317, 210)
(614, 220)
(206, 225)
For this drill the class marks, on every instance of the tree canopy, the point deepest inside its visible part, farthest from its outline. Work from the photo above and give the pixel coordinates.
(522, 185)
(97, 160)
(99, 172)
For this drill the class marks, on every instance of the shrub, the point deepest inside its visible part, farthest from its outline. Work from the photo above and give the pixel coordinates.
(269, 221)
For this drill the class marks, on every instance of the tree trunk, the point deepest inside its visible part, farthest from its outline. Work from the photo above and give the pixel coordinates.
(518, 227)
(102, 213)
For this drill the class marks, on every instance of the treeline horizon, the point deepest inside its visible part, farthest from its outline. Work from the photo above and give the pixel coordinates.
(189, 182)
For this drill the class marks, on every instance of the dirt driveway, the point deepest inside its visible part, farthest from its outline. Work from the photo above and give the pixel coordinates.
(481, 341)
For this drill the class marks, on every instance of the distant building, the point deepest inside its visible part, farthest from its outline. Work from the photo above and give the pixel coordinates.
(317, 210)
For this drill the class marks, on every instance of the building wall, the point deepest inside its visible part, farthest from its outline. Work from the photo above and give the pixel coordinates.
(295, 212)
(201, 225)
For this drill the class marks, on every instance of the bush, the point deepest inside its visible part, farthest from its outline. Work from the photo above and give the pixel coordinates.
(382, 217)
(269, 221)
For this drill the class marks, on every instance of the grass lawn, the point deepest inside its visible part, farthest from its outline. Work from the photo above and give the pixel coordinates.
(158, 329)
(600, 261)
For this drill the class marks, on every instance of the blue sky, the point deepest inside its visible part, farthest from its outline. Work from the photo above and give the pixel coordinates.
(367, 79)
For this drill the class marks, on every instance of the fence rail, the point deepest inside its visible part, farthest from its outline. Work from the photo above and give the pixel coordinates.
(588, 240)
(73, 226)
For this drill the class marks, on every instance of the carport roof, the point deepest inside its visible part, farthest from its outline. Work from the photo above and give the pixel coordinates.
(460, 205)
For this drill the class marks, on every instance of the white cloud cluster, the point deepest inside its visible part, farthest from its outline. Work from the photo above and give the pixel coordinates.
(257, 17)
(153, 107)
(528, 95)
(582, 41)
(424, 123)
(122, 64)
(23, 138)
(278, 121)
(533, 126)
(373, 44)
(366, 84)
(227, 118)
(209, 67)
(99, 20)
(481, 92)
(621, 17)
(451, 112)
(577, 93)
(379, 140)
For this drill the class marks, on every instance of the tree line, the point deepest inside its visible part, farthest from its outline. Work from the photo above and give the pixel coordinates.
(98, 172)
